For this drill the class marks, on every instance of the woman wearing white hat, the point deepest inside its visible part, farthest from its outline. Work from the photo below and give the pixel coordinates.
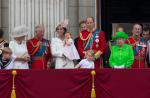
(19, 49)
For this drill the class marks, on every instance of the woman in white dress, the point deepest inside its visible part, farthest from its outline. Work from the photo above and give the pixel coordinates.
(57, 48)
(19, 49)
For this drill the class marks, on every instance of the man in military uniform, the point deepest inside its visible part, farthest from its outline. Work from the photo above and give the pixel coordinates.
(39, 49)
(92, 39)
(139, 47)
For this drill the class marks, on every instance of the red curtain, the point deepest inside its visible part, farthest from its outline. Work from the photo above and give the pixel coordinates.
(5, 84)
(130, 83)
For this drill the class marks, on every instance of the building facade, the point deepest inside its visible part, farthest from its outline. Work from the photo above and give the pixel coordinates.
(47, 12)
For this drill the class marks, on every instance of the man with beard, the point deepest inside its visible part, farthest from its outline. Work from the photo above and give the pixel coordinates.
(139, 48)
(92, 39)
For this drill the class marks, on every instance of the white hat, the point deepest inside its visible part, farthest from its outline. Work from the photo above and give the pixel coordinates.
(20, 31)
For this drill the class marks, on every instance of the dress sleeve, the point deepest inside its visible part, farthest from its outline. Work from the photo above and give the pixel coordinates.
(130, 58)
(11, 46)
(111, 59)
(56, 52)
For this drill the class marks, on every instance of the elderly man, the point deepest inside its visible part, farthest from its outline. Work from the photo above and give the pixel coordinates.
(93, 39)
(139, 48)
(39, 49)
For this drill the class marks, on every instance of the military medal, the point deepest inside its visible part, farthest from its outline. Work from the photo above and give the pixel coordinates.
(97, 43)
(97, 40)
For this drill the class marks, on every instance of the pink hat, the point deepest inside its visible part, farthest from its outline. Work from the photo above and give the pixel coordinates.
(64, 23)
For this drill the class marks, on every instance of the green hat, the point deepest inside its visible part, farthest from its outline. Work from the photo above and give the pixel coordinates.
(120, 35)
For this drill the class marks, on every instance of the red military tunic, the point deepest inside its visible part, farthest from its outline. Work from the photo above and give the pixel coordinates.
(39, 52)
(139, 49)
(98, 44)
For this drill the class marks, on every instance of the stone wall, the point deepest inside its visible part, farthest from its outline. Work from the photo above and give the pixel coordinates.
(5, 18)
(77, 11)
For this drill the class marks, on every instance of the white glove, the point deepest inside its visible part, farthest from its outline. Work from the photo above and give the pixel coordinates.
(119, 67)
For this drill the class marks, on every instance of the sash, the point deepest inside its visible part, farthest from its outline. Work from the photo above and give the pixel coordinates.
(91, 40)
(42, 49)
(40, 52)
(138, 48)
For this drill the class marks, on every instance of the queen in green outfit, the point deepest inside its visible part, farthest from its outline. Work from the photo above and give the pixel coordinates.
(121, 54)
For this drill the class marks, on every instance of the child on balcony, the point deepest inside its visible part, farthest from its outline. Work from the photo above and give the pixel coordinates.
(70, 50)
(6, 60)
(88, 62)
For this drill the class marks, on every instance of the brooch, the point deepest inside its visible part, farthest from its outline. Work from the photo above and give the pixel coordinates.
(97, 40)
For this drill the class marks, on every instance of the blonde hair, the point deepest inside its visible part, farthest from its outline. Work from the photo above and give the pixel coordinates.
(89, 53)
(6, 50)
(82, 22)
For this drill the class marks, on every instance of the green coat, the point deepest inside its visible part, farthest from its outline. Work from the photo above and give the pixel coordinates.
(121, 56)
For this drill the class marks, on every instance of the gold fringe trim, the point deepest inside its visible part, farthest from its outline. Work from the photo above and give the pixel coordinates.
(93, 93)
(13, 93)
